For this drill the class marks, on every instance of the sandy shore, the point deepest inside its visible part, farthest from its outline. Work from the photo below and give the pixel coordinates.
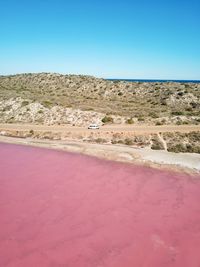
(185, 162)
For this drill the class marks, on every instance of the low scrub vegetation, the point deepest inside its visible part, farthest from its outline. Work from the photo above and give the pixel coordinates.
(183, 142)
(184, 148)
(119, 97)
(107, 119)
(156, 144)
(130, 121)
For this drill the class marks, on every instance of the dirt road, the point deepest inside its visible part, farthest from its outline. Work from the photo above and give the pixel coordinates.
(143, 129)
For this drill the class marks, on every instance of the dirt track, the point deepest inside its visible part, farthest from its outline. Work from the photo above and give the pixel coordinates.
(143, 129)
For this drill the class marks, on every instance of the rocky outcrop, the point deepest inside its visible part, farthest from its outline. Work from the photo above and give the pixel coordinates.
(25, 111)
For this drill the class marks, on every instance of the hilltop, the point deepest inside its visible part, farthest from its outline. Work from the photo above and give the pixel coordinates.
(53, 98)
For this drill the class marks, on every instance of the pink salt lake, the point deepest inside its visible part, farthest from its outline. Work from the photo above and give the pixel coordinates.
(60, 209)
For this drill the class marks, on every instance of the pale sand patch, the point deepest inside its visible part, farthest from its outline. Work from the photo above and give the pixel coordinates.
(188, 160)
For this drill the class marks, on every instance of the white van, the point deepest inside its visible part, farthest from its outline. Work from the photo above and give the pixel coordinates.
(93, 126)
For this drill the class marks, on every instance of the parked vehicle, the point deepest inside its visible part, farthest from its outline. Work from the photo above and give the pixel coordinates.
(93, 126)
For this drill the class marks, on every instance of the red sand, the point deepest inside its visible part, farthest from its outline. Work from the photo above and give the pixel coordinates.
(61, 209)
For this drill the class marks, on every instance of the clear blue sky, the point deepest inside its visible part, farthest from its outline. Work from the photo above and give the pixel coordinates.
(111, 39)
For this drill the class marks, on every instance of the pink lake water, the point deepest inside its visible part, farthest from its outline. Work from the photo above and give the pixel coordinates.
(61, 209)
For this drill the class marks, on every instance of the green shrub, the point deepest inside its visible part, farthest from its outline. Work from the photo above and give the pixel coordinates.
(117, 141)
(178, 122)
(194, 136)
(180, 93)
(177, 148)
(128, 142)
(182, 122)
(189, 148)
(130, 121)
(25, 103)
(177, 113)
(153, 115)
(47, 104)
(163, 121)
(31, 132)
(107, 119)
(192, 148)
(140, 119)
(7, 108)
(163, 102)
(100, 140)
(159, 123)
(189, 109)
(157, 145)
(196, 149)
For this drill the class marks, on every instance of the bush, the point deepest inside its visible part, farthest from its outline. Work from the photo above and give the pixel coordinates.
(177, 113)
(153, 115)
(181, 122)
(196, 149)
(100, 140)
(47, 104)
(177, 148)
(130, 121)
(114, 142)
(194, 105)
(31, 132)
(107, 119)
(189, 109)
(140, 119)
(163, 121)
(178, 122)
(189, 148)
(163, 102)
(128, 142)
(194, 136)
(180, 93)
(157, 145)
(25, 103)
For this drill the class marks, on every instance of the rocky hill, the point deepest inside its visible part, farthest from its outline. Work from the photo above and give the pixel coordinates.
(56, 99)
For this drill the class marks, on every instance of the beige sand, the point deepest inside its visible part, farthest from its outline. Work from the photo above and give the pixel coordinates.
(142, 129)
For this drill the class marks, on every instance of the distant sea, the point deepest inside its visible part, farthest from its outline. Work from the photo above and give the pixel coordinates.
(154, 81)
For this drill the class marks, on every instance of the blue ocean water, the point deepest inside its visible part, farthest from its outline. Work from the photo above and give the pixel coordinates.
(153, 81)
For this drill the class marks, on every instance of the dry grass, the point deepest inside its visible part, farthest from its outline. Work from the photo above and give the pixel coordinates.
(131, 99)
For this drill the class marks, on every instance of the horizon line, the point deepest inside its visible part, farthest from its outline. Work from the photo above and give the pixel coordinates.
(100, 77)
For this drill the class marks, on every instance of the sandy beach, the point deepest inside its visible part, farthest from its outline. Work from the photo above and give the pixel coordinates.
(184, 162)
